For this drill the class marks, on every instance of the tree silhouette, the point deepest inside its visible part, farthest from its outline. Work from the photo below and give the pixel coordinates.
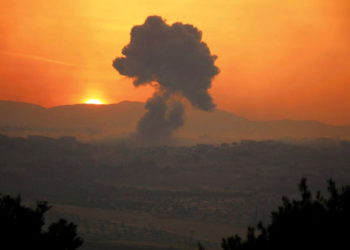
(313, 222)
(21, 227)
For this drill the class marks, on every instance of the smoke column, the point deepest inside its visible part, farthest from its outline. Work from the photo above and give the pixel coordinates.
(176, 62)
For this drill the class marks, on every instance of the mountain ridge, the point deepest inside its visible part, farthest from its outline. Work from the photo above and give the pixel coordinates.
(99, 122)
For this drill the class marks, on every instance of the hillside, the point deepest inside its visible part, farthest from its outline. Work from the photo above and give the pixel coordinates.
(116, 121)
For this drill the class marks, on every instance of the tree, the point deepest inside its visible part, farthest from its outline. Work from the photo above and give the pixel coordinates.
(21, 227)
(313, 222)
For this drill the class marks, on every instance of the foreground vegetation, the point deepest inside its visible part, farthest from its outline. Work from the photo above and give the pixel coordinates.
(312, 222)
(22, 227)
(164, 197)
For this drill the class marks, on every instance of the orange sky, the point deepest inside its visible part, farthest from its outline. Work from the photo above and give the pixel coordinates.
(278, 59)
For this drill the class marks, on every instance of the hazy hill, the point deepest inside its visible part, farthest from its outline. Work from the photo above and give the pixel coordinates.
(93, 122)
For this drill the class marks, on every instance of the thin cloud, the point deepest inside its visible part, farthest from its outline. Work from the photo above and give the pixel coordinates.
(41, 59)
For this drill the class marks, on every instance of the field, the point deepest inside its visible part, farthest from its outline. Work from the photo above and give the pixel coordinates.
(124, 197)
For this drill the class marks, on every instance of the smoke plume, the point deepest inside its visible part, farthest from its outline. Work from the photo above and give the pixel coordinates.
(174, 59)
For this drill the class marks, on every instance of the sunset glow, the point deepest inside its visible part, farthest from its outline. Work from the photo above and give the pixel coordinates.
(277, 59)
(165, 124)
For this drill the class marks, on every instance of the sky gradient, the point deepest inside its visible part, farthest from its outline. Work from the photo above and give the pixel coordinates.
(278, 59)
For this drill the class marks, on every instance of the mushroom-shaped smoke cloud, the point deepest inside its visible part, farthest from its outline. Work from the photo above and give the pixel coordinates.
(175, 57)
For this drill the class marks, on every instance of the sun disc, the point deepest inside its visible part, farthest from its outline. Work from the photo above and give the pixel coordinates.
(93, 101)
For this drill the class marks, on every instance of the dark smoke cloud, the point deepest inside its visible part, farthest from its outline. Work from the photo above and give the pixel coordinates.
(175, 57)
(160, 119)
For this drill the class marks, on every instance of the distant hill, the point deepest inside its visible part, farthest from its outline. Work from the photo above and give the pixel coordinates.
(115, 121)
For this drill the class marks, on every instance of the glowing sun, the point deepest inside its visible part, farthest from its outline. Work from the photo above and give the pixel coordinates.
(94, 101)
